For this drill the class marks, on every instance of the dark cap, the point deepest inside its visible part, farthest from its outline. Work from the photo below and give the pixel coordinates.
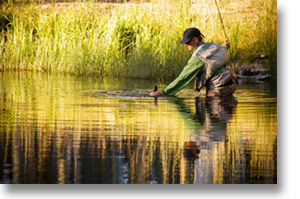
(189, 35)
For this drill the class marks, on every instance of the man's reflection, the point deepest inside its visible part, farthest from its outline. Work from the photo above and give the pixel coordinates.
(209, 125)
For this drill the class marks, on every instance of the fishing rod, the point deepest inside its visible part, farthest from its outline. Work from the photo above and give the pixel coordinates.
(232, 65)
(220, 16)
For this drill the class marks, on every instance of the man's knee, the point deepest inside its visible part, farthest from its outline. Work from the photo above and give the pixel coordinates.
(221, 91)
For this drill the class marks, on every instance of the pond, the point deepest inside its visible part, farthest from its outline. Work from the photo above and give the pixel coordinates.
(68, 129)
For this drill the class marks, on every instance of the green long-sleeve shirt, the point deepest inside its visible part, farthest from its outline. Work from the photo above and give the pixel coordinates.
(194, 66)
(189, 72)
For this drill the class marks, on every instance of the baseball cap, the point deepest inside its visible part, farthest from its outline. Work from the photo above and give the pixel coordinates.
(189, 35)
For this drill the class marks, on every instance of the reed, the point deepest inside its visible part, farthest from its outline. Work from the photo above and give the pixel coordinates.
(137, 40)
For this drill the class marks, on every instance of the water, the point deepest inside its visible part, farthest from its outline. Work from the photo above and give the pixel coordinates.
(65, 129)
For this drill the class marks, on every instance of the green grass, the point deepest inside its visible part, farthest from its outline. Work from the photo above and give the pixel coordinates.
(137, 40)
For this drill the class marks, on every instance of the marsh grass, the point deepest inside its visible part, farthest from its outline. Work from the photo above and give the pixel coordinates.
(137, 40)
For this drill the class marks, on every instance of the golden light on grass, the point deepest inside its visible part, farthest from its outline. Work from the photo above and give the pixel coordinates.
(137, 40)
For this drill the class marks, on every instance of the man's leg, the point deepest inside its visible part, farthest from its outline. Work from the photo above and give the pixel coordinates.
(226, 90)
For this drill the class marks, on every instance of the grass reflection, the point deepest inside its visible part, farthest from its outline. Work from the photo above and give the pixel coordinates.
(52, 133)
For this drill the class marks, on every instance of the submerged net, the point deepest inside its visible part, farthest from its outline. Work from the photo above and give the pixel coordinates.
(124, 93)
(138, 93)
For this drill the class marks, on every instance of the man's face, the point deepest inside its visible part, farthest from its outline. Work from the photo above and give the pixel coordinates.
(193, 44)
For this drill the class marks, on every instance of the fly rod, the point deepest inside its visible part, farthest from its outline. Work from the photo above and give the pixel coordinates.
(220, 16)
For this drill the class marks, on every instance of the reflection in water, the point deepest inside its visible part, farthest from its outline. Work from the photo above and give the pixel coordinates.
(211, 118)
(52, 132)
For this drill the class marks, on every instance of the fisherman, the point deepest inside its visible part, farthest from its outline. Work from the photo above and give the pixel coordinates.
(207, 65)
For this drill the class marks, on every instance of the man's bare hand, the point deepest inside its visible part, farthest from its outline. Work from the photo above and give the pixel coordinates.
(155, 94)
(227, 44)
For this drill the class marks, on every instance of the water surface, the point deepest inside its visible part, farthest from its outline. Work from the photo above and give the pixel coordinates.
(66, 129)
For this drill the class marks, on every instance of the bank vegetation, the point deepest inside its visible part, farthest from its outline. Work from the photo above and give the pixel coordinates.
(136, 39)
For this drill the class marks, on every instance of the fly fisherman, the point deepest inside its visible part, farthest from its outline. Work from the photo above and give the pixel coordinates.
(207, 65)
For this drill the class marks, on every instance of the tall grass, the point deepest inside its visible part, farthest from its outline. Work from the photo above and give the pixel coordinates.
(138, 40)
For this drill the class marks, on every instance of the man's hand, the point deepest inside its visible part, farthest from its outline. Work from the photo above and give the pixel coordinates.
(155, 94)
(227, 44)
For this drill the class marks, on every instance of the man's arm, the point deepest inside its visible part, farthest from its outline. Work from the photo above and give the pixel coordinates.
(190, 71)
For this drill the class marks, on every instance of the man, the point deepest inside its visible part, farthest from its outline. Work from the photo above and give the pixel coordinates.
(207, 64)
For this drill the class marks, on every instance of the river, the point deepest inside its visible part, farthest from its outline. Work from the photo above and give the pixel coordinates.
(69, 129)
